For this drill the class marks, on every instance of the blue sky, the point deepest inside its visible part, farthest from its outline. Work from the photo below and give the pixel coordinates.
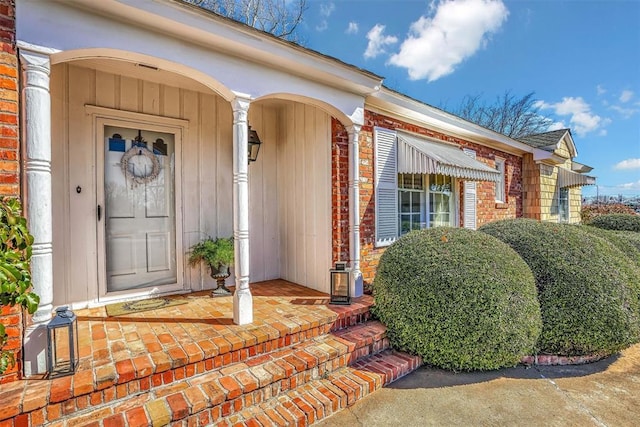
(581, 58)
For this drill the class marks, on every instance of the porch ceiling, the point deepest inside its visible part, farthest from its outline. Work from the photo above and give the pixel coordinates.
(142, 72)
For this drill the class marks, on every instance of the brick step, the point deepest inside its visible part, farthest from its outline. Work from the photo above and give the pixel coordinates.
(321, 398)
(36, 402)
(364, 339)
(350, 315)
(226, 390)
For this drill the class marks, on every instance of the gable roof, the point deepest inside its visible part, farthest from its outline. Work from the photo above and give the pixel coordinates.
(546, 140)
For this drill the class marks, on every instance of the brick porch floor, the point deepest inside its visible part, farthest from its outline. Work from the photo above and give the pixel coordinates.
(128, 355)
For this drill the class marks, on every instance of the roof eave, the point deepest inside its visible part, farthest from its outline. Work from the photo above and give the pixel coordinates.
(396, 104)
(194, 24)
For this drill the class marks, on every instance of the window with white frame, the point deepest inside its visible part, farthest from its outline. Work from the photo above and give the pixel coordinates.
(563, 204)
(424, 201)
(411, 203)
(500, 185)
(412, 193)
(441, 195)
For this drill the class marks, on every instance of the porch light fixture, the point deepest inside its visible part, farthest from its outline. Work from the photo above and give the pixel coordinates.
(62, 343)
(340, 281)
(254, 145)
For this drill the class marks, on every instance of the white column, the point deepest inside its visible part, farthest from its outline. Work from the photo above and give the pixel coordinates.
(242, 300)
(36, 116)
(354, 210)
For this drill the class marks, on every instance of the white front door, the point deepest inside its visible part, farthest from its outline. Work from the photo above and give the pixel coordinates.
(137, 211)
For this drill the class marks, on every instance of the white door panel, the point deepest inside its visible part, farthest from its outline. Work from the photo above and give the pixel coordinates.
(140, 226)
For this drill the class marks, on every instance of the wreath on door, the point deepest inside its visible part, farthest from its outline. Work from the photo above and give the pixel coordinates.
(136, 174)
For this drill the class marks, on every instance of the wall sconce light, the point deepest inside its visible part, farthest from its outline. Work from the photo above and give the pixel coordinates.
(254, 145)
(340, 284)
(62, 342)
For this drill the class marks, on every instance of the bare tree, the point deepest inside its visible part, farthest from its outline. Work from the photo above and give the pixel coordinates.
(278, 17)
(509, 115)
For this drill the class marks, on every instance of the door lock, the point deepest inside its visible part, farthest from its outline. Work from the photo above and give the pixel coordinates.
(99, 212)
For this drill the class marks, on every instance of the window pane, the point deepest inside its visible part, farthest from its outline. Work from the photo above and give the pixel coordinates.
(415, 202)
(405, 224)
(500, 185)
(563, 204)
(439, 209)
(405, 201)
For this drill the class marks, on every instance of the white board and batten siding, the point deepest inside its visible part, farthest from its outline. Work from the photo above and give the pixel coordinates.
(206, 182)
(290, 191)
(304, 196)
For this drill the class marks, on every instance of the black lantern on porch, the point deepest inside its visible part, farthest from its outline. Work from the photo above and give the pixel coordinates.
(340, 284)
(62, 342)
(254, 145)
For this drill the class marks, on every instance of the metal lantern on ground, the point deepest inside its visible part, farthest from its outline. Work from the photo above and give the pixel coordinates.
(254, 145)
(62, 342)
(340, 284)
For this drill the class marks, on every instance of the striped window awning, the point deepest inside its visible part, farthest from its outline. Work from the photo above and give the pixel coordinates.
(567, 178)
(419, 156)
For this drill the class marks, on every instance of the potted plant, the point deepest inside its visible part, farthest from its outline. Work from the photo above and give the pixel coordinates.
(218, 255)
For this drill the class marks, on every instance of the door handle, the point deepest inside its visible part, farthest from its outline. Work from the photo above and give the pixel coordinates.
(99, 212)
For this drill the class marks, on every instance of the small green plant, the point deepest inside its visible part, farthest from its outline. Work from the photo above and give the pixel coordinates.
(216, 253)
(620, 222)
(460, 299)
(15, 278)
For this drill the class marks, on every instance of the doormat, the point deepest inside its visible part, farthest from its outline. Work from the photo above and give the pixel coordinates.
(130, 307)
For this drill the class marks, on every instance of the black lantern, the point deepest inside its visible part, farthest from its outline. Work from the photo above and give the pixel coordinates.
(254, 145)
(340, 284)
(62, 341)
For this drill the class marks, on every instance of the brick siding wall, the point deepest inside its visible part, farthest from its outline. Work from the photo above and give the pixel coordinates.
(487, 209)
(9, 159)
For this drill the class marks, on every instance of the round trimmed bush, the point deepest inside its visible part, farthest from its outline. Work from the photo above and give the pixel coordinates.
(461, 299)
(586, 286)
(632, 238)
(628, 243)
(620, 222)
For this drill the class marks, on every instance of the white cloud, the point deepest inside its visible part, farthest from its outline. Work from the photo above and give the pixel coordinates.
(352, 28)
(600, 90)
(625, 112)
(582, 119)
(557, 126)
(630, 185)
(628, 164)
(626, 95)
(378, 41)
(453, 31)
(326, 9)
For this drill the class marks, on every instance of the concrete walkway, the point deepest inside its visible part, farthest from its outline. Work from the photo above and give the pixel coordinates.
(606, 393)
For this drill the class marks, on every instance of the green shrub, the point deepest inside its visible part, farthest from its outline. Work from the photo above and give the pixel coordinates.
(588, 212)
(15, 277)
(586, 286)
(628, 243)
(620, 222)
(632, 238)
(460, 299)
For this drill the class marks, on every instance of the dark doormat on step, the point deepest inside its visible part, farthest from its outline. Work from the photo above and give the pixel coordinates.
(128, 307)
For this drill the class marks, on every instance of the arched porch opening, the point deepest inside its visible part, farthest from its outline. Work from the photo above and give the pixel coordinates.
(292, 194)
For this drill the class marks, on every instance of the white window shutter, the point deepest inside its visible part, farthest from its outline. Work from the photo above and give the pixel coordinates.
(386, 186)
(470, 198)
